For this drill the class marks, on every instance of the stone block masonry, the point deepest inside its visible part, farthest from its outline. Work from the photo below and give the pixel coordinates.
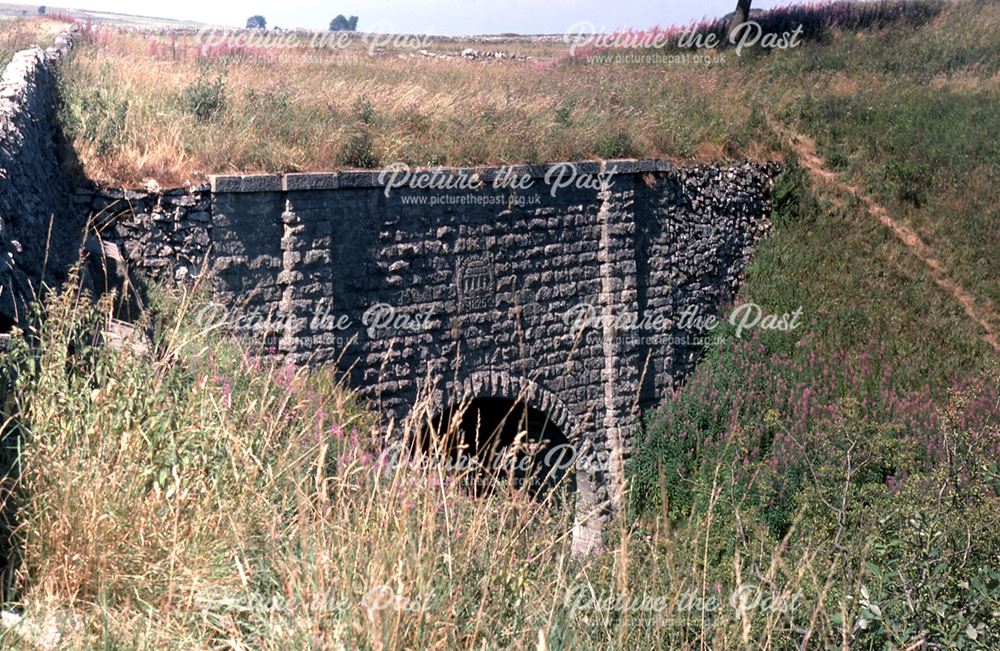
(35, 191)
(167, 235)
(566, 300)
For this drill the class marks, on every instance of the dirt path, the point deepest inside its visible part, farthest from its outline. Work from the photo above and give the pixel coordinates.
(821, 174)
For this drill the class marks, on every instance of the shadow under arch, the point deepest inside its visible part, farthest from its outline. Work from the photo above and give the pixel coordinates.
(508, 429)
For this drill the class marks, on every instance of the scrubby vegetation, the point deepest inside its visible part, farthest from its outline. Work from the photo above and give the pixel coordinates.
(195, 496)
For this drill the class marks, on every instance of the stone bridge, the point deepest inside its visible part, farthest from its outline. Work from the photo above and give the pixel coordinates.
(467, 285)
(564, 291)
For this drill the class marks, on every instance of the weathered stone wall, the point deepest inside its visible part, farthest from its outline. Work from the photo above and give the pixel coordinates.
(36, 190)
(484, 286)
(166, 235)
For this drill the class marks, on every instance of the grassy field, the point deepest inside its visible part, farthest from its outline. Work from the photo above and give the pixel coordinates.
(178, 106)
(18, 34)
(178, 115)
(847, 473)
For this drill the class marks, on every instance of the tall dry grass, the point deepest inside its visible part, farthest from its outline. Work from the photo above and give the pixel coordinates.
(194, 496)
(21, 33)
(129, 107)
(133, 98)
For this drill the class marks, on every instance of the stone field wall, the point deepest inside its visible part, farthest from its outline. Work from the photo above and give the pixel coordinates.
(35, 190)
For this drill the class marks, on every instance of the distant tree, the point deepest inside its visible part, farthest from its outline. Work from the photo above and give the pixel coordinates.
(256, 22)
(342, 24)
(740, 16)
(41, 10)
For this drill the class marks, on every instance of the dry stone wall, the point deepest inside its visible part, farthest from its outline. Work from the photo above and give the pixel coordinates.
(167, 235)
(35, 191)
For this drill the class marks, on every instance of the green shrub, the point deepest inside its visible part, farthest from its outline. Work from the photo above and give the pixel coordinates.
(925, 548)
(358, 150)
(268, 101)
(908, 180)
(564, 112)
(205, 97)
(792, 200)
(364, 110)
(615, 145)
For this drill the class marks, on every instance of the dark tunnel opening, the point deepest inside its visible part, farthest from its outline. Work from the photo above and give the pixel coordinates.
(503, 440)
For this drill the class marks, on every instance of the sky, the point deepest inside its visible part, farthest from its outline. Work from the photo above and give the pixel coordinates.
(448, 17)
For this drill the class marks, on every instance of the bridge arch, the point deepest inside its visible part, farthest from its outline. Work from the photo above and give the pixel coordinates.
(501, 384)
(485, 414)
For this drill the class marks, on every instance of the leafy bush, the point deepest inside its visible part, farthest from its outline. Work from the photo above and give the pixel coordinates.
(564, 112)
(268, 101)
(364, 110)
(791, 198)
(358, 150)
(205, 97)
(923, 538)
(909, 182)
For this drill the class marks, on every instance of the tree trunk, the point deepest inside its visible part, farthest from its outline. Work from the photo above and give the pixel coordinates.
(740, 16)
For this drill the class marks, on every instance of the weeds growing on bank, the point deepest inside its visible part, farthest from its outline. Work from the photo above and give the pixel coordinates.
(196, 496)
